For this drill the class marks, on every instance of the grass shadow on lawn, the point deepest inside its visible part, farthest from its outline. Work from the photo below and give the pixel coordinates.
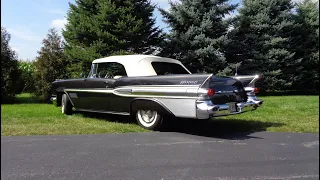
(219, 128)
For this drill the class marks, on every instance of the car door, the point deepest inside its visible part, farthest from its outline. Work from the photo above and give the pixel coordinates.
(98, 96)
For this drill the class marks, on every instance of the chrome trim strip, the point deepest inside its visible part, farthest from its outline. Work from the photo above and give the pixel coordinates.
(158, 92)
(210, 75)
(252, 82)
(106, 112)
(89, 90)
(68, 97)
(184, 108)
(179, 85)
(151, 92)
(156, 96)
(153, 100)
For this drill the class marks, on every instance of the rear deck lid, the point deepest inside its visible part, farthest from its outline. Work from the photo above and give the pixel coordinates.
(226, 89)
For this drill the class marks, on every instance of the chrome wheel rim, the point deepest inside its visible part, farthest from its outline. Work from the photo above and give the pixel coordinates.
(147, 117)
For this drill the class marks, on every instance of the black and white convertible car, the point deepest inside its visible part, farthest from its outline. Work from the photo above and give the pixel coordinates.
(151, 88)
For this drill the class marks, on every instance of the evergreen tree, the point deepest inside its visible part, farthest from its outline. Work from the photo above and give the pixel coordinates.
(261, 42)
(9, 69)
(99, 28)
(306, 46)
(49, 65)
(198, 33)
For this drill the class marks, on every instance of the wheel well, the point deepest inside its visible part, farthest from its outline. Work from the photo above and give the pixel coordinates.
(59, 96)
(150, 104)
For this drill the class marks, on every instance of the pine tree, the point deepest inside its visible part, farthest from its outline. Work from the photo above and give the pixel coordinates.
(9, 69)
(99, 28)
(306, 46)
(198, 33)
(50, 65)
(261, 42)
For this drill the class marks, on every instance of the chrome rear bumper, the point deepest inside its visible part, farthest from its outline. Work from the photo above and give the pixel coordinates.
(206, 109)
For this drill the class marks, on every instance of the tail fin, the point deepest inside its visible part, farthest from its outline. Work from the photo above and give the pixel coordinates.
(248, 82)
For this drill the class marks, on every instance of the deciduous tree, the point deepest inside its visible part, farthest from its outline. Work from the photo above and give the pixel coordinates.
(50, 64)
(9, 69)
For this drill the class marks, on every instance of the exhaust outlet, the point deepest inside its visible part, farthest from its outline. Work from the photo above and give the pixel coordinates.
(213, 109)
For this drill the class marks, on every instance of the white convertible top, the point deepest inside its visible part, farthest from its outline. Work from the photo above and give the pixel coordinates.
(138, 65)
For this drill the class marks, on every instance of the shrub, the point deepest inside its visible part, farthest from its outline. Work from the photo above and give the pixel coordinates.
(26, 80)
(50, 65)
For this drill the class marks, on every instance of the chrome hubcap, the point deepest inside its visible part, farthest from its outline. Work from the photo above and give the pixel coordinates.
(147, 116)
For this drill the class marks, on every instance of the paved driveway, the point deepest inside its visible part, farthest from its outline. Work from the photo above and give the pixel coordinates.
(161, 155)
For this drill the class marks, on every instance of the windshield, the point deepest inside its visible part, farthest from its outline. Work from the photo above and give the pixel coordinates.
(163, 68)
(93, 71)
(107, 70)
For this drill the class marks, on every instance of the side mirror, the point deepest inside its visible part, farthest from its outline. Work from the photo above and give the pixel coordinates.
(82, 75)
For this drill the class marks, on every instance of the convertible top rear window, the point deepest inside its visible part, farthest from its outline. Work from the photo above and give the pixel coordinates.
(163, 68)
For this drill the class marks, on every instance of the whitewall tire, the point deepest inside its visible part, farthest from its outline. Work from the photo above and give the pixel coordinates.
(66, 106)
(149, 119)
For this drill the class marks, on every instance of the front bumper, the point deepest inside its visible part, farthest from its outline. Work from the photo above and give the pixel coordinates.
(206, 109)
(53, 99)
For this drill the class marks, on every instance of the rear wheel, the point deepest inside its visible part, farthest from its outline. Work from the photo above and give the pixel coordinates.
(149, 119)
(66, 106)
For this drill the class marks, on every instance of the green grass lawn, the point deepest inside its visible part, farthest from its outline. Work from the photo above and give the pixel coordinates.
(30, 118)
(286, 113)
(278, 114)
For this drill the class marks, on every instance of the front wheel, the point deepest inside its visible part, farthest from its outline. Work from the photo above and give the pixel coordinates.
(149, 119)
(66, 106)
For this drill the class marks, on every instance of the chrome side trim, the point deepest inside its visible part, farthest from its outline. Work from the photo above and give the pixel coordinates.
(106, 112)
(210, 75)
(252, 82)
(184, 108)
(89, 90)
(68, 97)
(177, 92)
(166, 86)
(153, 100)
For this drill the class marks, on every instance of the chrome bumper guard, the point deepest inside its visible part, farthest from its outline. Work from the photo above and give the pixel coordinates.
(53, 99)
(206, 109)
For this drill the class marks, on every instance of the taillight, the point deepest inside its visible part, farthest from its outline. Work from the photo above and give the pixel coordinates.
(256, 90)
(210, 92)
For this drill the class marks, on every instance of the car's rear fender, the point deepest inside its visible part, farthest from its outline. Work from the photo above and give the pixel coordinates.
(148, 104)
(248, 82)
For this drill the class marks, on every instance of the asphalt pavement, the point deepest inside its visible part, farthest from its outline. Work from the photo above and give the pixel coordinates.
(160, 156)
